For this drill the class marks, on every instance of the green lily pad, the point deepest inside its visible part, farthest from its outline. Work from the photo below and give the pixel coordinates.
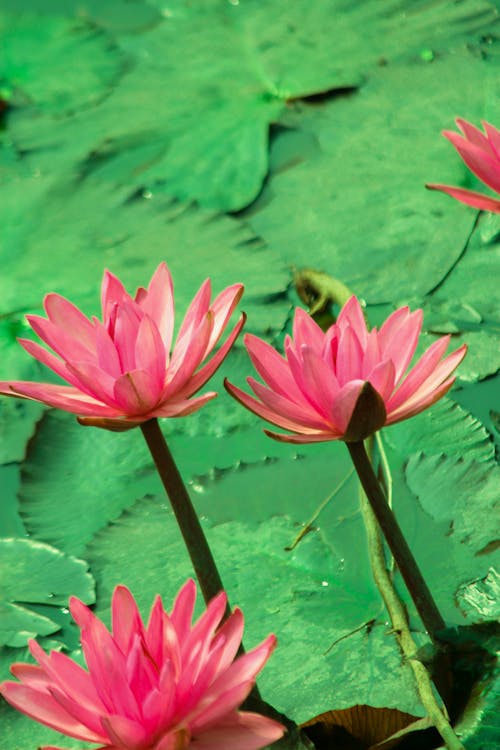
(17, 418)
(480, 726)
(468, 302)
(477, 399)
(393, 241)
(435, 508)
(130, 237)
(76, 479)
(458, 491)
(444, 428)
(19, 625)
(20, 731)
(319, 615)
(115, 16)
(34, 573)
(226, 71)
(36, 50)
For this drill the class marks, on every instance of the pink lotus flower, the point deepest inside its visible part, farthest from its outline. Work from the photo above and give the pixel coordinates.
(481, 152)
(168, 685)
(121, 372)
(319, 391)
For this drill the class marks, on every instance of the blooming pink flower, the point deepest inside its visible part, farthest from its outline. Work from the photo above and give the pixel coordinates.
(481, 152)
(121, 372)
(168, 685)
(315, 389)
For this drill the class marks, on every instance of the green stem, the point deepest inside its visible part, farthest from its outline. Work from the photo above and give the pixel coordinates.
(401, 629)
(403, 556)
(189, 524)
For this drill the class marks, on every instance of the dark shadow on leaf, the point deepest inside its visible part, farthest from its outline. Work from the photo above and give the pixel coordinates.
(322, 97)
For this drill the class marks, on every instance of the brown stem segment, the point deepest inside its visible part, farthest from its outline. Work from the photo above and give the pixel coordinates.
(189, 524)
(403, 556)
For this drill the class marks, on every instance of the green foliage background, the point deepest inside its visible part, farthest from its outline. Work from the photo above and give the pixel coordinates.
(241, 140)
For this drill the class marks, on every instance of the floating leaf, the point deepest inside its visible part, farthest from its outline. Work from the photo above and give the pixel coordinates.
(35, 54)
(19, 731)
(480, 726)
(477, 398)
(468, 303)
(34, 573)
(99, 472)
(116, 16)
(10, 523)
(444, 428)
(393, 240)
(225, 72)
(130, 237)
(324, 619)
(458, 491)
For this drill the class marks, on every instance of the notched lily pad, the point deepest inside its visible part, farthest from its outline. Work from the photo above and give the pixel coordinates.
(467, 304)
(226, 72)
(34, 573)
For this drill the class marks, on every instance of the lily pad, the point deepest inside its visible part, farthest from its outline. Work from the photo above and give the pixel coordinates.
(484, 735)
(130, 237)
(322, 622)
(35, 54)
(227, 70)
(20, 731)
(100, 472)
(394, 240)
(34, 573)
(468, 302)
(444, 428)
(458, 491)
(115, 16)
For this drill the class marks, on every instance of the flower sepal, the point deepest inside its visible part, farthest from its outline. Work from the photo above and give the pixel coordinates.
(368, 416)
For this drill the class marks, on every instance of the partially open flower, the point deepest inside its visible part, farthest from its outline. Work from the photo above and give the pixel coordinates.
(349, 382)
(169, 685)
(121, 371)
(481, 152)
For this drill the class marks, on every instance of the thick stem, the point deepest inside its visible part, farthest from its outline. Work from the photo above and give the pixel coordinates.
(403, 556)
(189, 524)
